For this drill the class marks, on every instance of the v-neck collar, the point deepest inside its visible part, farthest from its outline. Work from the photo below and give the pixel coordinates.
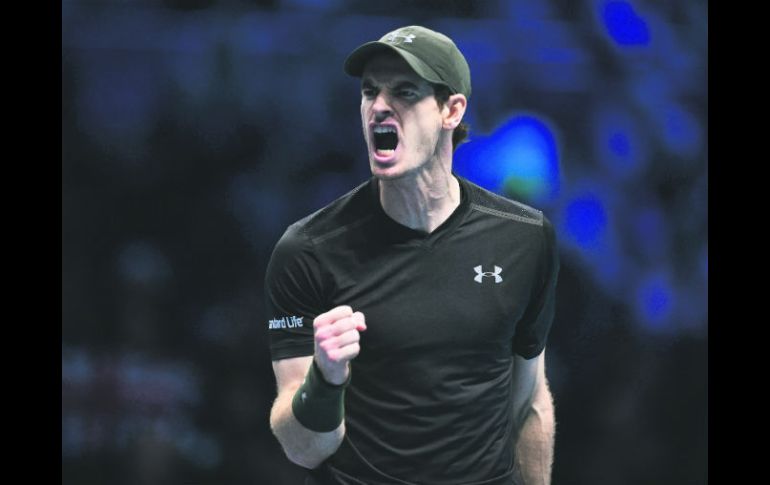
(399, 233)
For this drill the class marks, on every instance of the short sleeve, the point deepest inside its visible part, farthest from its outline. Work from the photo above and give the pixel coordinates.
(533, 328)
(293, 295)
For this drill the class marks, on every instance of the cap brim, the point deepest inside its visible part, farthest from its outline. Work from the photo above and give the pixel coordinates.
(356, 61)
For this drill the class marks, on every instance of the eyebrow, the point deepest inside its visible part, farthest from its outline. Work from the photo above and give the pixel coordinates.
(406, 84)
(367, 83)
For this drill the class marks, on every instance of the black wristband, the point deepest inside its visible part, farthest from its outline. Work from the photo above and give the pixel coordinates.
(317, 404)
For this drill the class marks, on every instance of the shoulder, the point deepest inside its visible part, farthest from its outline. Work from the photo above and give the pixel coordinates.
(506, 210)
(348, 210)
(482, 200)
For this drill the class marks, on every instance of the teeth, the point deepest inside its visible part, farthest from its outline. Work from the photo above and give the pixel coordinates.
(384, 129)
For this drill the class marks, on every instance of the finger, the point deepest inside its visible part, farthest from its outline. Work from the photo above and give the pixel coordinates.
(359, 320)
(332, 315)
(340, 341)
(345, 353)
(337, 328)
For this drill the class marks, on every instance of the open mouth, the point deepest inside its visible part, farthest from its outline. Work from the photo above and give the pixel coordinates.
(385, 139)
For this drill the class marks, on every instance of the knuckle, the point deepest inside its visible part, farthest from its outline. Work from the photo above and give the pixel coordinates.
(344, 310)
(340, 326)
(330, 342)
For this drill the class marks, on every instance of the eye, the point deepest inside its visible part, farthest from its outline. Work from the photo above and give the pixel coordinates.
(368, 92)
(406, 93)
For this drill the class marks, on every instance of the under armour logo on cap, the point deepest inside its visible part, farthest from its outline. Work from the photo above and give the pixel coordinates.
(434, 57)
(393, 38)
(481, 274)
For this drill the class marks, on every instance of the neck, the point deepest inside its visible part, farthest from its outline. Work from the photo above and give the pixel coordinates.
(423, 200)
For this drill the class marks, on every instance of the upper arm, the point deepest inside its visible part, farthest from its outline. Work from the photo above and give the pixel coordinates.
(533, 328)
(293, 297)
(528, 380)
(289, 373)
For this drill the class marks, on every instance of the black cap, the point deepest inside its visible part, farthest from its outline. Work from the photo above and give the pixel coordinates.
(432, 55)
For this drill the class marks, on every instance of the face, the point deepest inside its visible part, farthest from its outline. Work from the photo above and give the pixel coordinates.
(401, 118)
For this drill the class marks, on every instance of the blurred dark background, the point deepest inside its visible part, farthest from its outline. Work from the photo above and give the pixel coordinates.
(194, 132)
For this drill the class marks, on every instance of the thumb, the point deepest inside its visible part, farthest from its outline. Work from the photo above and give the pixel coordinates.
(360, 321)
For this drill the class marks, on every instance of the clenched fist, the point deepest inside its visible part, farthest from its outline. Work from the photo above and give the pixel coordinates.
(336, 341)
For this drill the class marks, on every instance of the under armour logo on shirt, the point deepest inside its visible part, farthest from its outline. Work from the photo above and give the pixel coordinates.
(393, 38)
(481, 274)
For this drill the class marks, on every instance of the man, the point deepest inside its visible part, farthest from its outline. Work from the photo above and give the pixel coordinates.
(408, 318)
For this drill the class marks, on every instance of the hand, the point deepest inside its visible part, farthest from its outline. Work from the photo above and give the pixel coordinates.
(336, 342)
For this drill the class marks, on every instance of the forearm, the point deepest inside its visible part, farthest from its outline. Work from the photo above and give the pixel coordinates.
(302, 446)
(308, 416)
(535, 439)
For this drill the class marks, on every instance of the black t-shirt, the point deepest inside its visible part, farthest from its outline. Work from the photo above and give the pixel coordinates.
(430, 396)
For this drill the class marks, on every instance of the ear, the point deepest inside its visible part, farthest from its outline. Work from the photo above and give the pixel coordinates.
(453, 111)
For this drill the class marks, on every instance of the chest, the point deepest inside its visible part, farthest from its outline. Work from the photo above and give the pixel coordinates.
(468, 293)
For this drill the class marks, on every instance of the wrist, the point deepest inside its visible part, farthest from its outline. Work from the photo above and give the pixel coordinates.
(319, 405)
(336, 377)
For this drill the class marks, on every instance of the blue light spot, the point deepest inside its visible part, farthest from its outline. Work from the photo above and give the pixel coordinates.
(619, 144)
(586, 220)
(655, 301)
(682, 133)
(624, 25)
(519, 160)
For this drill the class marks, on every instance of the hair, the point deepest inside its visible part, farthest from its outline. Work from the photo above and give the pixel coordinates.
(460, 133)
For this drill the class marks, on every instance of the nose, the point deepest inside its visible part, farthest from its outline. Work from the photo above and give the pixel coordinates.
(381, 107)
